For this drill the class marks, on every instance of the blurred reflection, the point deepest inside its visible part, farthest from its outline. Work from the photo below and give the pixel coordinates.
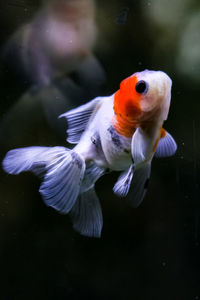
(167, 13)
(150, 252)
(188, 58)
(57, 40)
(35, 114)
(54, 52)
(175, 24)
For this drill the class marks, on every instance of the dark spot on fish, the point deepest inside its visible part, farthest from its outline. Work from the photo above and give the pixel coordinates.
(93, 140)
(127, 151)
(146, 184)
(76, 160)
(115, 137)
(132, 169)
(127, 180)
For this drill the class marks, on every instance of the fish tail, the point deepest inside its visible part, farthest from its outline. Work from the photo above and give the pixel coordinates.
(86, 214)
(62, 171)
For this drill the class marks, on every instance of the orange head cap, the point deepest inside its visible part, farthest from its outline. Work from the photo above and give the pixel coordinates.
(142, 97)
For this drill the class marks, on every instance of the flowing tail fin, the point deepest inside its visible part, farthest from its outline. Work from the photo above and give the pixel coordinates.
(62, 171)
(86, 214)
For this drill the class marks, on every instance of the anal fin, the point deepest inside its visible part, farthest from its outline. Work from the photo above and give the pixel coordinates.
(122, 186)
(92, 174)
(139, 185)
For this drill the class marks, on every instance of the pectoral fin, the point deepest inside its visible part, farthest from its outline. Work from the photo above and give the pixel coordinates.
(139, 146)
(166, 146)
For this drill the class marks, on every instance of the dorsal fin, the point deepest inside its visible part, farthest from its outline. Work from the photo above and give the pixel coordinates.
(78, 118)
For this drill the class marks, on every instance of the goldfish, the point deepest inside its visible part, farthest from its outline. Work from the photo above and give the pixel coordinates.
(121, 132)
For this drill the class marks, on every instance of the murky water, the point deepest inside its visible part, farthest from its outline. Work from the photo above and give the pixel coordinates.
(151, 252)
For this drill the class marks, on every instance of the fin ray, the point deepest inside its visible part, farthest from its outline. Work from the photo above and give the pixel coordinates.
(92, 174)
(62, 171)
(86, 214)
(166, 146)
(34, 159)
(78, 118)
(122, 186)
(139, 185)
(61, 185)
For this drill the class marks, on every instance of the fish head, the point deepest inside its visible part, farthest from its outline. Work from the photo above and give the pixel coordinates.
(154, 88)
(144, 96)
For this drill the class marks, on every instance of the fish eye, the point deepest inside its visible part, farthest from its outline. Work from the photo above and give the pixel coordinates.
(142, 87)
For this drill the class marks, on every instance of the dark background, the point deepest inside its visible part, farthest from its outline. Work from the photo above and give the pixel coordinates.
(151, 252)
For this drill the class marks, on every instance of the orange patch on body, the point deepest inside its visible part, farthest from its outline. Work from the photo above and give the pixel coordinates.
(156, 144)
(163, 133)
(127, 107)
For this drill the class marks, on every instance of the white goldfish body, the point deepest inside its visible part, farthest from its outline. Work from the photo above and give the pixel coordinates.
(121, 132)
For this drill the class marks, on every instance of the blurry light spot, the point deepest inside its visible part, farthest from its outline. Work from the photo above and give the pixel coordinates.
(167, 12)
(188, 58)
(164, 264)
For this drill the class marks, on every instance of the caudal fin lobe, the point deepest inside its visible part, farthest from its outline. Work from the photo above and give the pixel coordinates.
(62, 171)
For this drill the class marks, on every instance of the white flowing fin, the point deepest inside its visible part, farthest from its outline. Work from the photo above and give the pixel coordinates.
(122, 186)
(138, 146)
(78, 118)
(139, 185)
(62, 182)
(63, 169)
(34, 159)
(86, 214)
(92, 174)
(166, 146)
